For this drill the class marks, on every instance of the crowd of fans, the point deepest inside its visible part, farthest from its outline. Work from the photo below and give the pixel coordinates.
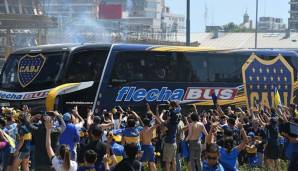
(168, 138)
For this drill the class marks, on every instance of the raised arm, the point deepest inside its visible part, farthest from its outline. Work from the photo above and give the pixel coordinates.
(210, 136)
(148, 108)
(282, 115)
(107, 125)
(49, 125)
(204, 129)
(62, 124)
(194, 108)
(220, 111)
(89, 119)
(77, 114)
(157, 110)
(138, 117)
(244, 141)
(120, 120)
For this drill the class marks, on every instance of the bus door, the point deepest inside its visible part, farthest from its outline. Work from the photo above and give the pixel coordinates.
(85, 67)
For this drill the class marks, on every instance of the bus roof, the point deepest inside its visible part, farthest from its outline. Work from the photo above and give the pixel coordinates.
(147, 47)
(266, 52)
(71, 47)
(59, 47)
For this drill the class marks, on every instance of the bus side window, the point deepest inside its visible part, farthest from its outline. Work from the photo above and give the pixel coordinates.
(162, 66)
(209, 67)
(143, 66)
(127, 67)
(225, 67)
(193, 67)
(86, 66)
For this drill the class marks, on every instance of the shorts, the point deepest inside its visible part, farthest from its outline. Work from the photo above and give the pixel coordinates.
(194, 150)
(148, 155)
(23, 155)
(169, 152)
(253, 161)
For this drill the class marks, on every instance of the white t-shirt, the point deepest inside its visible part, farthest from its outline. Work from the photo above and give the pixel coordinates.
(58, 164)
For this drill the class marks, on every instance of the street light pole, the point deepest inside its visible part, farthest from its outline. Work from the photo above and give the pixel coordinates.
(188, 23)
(256, 30)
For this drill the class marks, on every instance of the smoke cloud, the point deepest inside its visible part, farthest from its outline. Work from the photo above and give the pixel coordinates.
(82, 28)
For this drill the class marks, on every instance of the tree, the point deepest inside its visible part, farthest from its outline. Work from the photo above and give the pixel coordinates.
(230, 27)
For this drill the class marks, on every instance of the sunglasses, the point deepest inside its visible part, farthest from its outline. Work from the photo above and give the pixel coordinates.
(211, 158)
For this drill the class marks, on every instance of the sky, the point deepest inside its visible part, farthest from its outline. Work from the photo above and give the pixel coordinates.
(220, 12)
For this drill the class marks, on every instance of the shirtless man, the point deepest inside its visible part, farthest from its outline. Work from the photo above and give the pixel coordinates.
(147, 147)
(195, 128)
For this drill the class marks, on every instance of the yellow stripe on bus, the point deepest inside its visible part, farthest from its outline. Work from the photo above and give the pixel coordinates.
(180, 49)
(51, 98)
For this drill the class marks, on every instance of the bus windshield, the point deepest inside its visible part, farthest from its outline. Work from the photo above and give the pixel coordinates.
(44, 76)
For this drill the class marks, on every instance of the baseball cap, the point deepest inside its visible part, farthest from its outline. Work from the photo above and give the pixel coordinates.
(251, 134)
(67, 117)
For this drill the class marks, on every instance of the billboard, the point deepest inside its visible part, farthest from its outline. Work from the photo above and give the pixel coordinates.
(110, 11)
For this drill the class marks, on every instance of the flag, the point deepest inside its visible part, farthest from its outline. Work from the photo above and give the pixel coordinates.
(276, 100)
(261, 78)
(214, 99)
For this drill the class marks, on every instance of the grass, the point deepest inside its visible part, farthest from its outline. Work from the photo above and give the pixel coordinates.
(283, 166)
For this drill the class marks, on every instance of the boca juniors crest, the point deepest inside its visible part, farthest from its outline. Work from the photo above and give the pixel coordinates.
(29, 67)
(262, 77)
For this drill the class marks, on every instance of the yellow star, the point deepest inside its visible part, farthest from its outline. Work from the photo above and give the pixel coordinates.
(260, 70)
(251, 86)
(278, 78)
(250, 78)
(281, 70)
(267, 70)
(274, 70)
(265, 78)
(258, 86)
(285, 78)
(271, 78)
(253, 70)
(258, 78)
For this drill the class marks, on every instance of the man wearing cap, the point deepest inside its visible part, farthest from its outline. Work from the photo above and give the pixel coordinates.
(170, 144)
(70, 136)
(261, 136)
(252, 150)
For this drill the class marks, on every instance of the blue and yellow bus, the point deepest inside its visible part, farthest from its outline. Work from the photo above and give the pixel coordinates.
(103, 76)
